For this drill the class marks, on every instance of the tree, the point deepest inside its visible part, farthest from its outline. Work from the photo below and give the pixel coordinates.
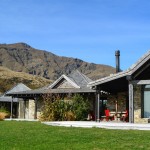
(81, 107)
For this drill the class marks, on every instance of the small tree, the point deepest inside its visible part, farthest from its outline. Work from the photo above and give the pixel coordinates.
(47, 109)
(81, 107)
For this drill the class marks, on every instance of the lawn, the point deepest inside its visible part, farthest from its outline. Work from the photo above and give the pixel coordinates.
(16, 135)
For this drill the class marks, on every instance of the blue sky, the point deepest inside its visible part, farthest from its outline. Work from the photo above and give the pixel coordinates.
(90, 30)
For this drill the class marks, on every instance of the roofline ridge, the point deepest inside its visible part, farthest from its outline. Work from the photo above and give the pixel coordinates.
(60, 78)
(16, 86)
(109, 77)
(84, 76)
(140, 60)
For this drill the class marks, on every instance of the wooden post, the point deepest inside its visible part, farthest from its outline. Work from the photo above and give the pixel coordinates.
(116, 105)
(35, 110)
(131, 103)
(11, 116)
(24, 108)
(95, 106)
(98, 110)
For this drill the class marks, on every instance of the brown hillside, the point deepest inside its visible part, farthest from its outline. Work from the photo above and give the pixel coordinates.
(23, 58)
(9, 78)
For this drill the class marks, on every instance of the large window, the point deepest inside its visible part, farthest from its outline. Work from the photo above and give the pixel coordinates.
(146, 99)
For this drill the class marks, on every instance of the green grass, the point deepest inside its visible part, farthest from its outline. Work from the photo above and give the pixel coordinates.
(36, 136)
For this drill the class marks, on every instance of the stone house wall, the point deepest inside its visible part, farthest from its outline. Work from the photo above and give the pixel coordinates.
(31, 109)
(27, 108)
(119, 99)
(21, 109)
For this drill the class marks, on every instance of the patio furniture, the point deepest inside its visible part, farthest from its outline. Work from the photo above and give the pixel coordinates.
(117, 115)
(124, 116)
(108, 116)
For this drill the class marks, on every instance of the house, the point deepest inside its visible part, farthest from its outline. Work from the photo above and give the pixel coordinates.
(74, 83)
(10, 103)
(127, 90)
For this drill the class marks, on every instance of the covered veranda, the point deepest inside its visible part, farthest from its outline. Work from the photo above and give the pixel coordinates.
(116, 100)
(35, 97)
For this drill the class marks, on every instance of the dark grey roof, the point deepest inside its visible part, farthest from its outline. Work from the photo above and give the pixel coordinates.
(80, 79)
(18, 88)
(76, 78)
(130, 71)
(46, 91)
(83, 90)
(140, 62)
(7, 99)
(109, 78)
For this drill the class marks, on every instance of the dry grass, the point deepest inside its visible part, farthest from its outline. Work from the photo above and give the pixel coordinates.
(6, 73)
(3, 115)
(9, 78)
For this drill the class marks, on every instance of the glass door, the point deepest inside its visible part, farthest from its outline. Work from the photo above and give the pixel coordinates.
(147, 101)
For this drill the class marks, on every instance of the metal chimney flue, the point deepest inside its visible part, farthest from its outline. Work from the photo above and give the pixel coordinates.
(117, 54)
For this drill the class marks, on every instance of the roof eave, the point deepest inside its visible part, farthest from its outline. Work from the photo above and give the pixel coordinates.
(109, 78)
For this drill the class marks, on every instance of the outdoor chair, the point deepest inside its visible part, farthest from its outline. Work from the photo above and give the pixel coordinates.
(108, 116)
(124, 117)
(91, 117)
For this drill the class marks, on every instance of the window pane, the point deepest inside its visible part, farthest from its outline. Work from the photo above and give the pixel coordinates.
(147, 86)
(146, 104)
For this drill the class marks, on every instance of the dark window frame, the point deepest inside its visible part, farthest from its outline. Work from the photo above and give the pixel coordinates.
(143, 89)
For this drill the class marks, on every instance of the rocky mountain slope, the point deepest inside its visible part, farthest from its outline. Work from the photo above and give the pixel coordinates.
(9, 78)
(21, 57)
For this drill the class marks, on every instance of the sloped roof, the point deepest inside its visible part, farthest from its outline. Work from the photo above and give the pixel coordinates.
(76, 79)
(79, 78)
(119, 75)
(18, 88)
(140, 62)
(47, 91)
(7, 99)
(66, 78)
(109, 78)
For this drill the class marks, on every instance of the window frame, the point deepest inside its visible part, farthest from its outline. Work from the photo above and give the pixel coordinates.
(143, 89)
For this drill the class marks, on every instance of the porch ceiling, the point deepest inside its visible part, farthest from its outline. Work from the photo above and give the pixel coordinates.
(115, 86)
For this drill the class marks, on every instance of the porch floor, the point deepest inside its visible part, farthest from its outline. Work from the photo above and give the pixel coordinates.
(106, 125)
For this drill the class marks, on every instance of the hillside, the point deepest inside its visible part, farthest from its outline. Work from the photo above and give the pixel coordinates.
(10, 78)
(23, 58)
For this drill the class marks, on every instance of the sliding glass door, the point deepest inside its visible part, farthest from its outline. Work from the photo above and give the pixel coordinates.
(146, 101)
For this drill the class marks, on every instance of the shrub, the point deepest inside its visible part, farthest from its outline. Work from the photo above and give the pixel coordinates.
(3, 113)
(55, 109)
(70, 116)
(81, 107)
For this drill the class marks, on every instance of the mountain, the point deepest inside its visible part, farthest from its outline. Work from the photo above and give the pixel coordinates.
(9, 78)
(21, 57)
